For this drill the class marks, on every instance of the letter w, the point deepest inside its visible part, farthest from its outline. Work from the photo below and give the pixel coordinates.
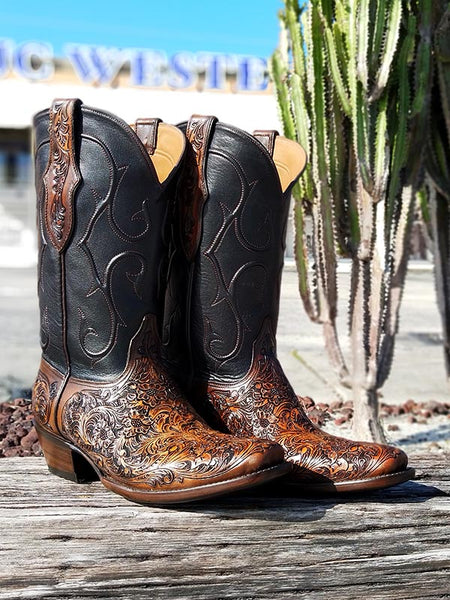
(94, 64)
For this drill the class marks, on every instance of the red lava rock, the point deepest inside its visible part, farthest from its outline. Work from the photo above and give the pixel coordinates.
(317, 416)
(426, 414)
(336, 405)
(27, 441)
(411, 419)
(323, 406)
(17, 434)
(10, 452)
(340, 421)
(393, 427)
(409, 406)
(19, 430)
(348, 404)
(307, 401)
(21, 402)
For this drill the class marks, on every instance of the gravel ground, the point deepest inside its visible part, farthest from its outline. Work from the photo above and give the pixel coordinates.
(426, 424)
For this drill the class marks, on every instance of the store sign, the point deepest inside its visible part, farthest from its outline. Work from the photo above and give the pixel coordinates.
(96, 65)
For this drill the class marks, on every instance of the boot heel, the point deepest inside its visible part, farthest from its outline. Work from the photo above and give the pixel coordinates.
(63, 461)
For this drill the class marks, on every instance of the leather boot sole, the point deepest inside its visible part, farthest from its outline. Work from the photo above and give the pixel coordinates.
(67, 461)
(357, 485)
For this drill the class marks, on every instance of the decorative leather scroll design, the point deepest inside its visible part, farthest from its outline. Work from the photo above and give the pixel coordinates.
(194, 190)
(62, 175)
(264, 404)
(140, 429)
(46, 391)
(267, 138)
(147, 131)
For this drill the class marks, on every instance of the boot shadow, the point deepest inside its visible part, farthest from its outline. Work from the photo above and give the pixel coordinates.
(281, 502)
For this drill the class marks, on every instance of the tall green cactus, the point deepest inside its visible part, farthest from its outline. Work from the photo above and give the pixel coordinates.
(438, 167)
(352, 79)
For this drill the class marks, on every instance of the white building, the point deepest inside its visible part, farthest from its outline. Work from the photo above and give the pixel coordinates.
(131, 83)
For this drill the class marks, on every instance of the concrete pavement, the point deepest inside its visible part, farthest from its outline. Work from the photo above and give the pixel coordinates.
(418, 369)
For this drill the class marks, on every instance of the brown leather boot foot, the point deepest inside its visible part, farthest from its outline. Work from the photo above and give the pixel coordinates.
(223, 298)
(324, 463)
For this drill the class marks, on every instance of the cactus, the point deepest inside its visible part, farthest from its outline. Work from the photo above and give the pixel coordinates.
(352, 79)
(438, 168)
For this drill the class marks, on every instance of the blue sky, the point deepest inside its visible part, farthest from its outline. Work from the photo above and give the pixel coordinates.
(230, 26)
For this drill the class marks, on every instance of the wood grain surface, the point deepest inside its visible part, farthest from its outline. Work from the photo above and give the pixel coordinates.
(67, 541)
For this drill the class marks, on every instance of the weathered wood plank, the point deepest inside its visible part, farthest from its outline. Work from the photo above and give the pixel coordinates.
(62, 540)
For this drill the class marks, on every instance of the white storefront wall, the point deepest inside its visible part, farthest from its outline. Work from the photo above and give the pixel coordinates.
(20, 99)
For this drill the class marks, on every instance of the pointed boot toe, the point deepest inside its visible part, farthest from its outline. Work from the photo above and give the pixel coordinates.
(331, 464)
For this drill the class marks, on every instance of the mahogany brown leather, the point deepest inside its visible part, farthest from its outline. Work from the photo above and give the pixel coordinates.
(231, 316)
(147, 130)
(102, 391)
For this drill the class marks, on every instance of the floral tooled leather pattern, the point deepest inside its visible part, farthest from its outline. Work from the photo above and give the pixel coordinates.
(193, 190)
(265, 405)
(62, 175)
(143, 431)
(42, 398)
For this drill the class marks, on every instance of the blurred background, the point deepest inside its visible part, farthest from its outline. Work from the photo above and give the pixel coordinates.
(169, 60)
(166, 59)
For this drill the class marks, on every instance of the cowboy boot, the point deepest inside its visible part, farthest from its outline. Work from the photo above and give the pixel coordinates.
(104, 407)
(233, 211)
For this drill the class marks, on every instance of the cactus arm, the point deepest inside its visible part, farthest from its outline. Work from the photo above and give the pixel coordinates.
(332, 52)
(302, 119)
(301, 259)
(278, 71)
(382, 154)
(363, 42)
(296, 38)
(419, 119)
(401, 139)
(322, 209)
(337, 167)
(390, 45)
(436, 162)
(400, 264)
(377, 41)
(442, 45)
(360, 114)
(440, 221)
(438, 167)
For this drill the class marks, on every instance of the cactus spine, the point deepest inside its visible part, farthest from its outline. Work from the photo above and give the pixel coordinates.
(352, 79)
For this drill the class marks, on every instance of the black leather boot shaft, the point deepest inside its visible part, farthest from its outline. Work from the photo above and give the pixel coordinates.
(103, 270)
(234, 283)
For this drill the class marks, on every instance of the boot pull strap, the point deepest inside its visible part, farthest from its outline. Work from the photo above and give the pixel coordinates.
(267, 138)
(62, 175)
(195, 190)
(147, 132)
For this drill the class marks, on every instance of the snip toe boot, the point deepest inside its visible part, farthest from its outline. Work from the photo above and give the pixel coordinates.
(222, 303)
(104, 406)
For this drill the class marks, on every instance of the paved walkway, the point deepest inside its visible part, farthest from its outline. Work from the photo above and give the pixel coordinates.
(418, 370)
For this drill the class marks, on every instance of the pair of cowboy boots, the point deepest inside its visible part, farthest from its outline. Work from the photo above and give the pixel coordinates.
(161, 250)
